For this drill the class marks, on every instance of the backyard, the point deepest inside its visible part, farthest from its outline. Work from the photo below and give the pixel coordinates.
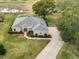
(16, 45)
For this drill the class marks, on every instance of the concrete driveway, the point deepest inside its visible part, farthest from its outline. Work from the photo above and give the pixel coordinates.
(54, 46)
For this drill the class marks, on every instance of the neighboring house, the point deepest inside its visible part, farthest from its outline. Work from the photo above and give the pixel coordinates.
(10, 10)
(26, 23)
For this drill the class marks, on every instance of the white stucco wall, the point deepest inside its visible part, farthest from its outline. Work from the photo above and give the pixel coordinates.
(16, 29)
(40, 32)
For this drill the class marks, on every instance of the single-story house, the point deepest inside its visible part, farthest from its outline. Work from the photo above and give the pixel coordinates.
(26, 23)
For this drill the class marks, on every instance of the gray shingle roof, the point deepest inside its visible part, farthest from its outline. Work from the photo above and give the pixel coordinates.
(18, 20)
(26, 21)
(41, 28)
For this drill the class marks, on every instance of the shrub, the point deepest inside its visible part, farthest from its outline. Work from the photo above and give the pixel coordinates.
(45, 35)
(2, 50)
(30, 33)
(41, 36)
(49, 36)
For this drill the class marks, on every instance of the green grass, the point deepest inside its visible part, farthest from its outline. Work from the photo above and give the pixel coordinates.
(66, 53)
(16, 45)
(16, 2)
(51, 21)
(12, 2)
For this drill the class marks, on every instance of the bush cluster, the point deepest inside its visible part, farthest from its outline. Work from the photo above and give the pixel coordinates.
(2, 50)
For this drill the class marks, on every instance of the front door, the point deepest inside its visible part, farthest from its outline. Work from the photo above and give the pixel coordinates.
(25, 29)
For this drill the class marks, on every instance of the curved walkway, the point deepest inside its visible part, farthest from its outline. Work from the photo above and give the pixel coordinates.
(54, 46)
(25, 35)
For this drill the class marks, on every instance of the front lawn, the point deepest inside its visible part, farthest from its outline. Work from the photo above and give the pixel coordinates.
(16, 45)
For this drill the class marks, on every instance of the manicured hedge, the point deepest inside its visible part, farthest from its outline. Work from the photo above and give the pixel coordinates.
(39, 36)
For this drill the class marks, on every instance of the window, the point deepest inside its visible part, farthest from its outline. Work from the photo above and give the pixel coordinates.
(40, 32)
(25, 29)
(30, 29)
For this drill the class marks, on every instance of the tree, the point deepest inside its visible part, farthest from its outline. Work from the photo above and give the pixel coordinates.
(2, 50)
(68, 24)
(44, 7)
(77, 39)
